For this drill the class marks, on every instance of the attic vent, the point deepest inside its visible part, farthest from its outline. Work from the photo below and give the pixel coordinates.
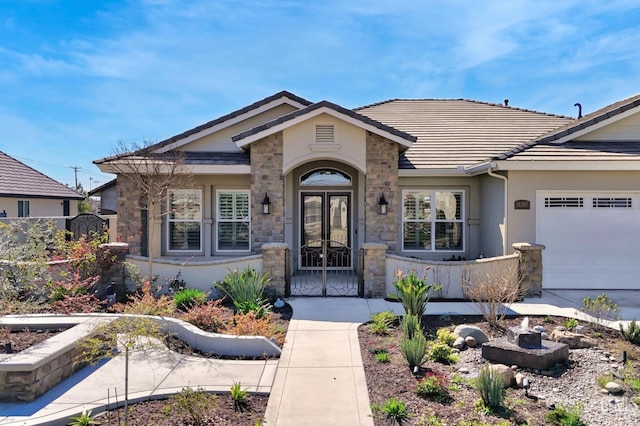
(324, 133)
(622, 202)
(563, 202)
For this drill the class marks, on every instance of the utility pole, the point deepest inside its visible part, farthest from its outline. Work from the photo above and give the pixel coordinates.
(75, 171)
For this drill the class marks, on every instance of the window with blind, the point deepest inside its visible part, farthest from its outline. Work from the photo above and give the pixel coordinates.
(23, 208)
(185, 220)
(234, 220)
(432, 220)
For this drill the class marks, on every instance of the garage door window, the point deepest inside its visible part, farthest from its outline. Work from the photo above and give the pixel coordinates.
(555, 202)
(432, 220)
(608, 202)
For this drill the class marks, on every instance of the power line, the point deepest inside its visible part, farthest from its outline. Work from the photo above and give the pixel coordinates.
(75, 171)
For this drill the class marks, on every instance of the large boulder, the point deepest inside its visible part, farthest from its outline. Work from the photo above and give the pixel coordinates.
(573, 340)
(503, 371)
(465, 331)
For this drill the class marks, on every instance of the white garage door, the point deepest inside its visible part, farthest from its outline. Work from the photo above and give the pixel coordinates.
(592, 239)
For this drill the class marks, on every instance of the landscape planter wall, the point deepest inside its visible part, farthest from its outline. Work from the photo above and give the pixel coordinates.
(450, 275)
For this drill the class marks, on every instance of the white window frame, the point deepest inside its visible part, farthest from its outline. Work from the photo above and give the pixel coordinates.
(170, 221)
(434, 220)
(219, 220)
(24, 206)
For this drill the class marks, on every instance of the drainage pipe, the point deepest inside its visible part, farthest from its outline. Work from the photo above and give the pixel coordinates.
(506, 205)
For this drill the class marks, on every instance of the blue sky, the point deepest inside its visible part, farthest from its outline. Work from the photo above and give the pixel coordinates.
(76, 77)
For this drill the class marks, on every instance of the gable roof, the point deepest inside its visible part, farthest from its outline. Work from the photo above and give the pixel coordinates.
(318, 108)
(566, 133)
(19, 180)
(97, 190)
(454, 133)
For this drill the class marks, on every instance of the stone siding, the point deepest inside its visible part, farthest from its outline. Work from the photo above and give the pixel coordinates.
(129, 215)
(267, 178)
(374, 273)
(382, 178)
(530, 267)
(274, 263)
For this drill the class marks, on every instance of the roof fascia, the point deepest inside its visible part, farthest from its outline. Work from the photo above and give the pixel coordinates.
(562, 165)
(432, 172)
(227, 123)
(244, 141)
(40, 197)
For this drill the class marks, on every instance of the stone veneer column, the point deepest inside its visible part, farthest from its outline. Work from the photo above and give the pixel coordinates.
(375, 271)
(530, 267)
(116, 273)
(274, 262)
(267, 178)
(129, 214)
(381, 178)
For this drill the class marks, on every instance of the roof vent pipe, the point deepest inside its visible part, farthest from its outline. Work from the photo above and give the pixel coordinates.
(579, 105)
(506, 102)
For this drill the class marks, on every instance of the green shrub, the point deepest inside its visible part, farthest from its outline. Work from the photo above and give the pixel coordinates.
(490, 388)
(410, 325)
(631, 333)
(395, 410)
(84, 419)
(442, 353)
(246, 290)
(383, 357)
(571, 323)
(413, 292)
(193, 403)
(188, 298)
(565, 416)
(382, 321)
(601, 309)
(446, 336)
(414, 350)
(239, 396)
(433, 386)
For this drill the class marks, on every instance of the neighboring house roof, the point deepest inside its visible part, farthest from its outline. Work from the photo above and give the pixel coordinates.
(404, 138)
(19, 180)
(454, 133)
(97, 190)
(560, 136)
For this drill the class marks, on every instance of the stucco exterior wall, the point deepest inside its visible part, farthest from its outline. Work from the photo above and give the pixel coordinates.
(38, 207)
(492, 223)
(524, 184)
(625, 129)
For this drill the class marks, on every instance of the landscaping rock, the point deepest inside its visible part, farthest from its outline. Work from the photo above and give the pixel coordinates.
(519, 379)
(504, 371)
(470, 341)
(614, 388)
(458, 343)
(464, 330)
(538, 328)
(573, 340)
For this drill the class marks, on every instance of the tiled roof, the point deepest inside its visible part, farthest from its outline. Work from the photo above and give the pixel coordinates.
(322, 104)
(568, 129)
(582, 151)
(460, 132)
(19, 180)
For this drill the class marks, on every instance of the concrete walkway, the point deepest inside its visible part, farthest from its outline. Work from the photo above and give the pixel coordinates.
(319, 379)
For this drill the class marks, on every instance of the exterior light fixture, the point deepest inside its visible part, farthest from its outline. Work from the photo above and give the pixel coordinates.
(266, 205)
(382, 205)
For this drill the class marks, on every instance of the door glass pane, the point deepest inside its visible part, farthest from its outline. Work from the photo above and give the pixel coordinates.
(312, 220)
(339, 219)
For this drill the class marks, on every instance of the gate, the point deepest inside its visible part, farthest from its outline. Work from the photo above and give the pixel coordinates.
(323, 268)
(86, 224)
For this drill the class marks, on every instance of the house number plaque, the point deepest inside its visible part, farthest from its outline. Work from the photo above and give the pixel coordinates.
(522, 205)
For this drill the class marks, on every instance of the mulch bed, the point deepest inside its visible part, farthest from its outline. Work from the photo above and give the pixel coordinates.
(23, 339)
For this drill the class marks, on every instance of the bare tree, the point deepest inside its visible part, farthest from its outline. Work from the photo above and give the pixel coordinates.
(154, 173)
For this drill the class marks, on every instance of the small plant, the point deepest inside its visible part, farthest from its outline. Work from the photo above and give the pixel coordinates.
(382, 321)
(176, 284)
(631, 333)
(446, 336)
(84, 419)
(601, 309)
(410, 326)
(442, 353)
(239, 396)
(188, 298)
(603, 379)
(193, 403)
(414, 350)
(383, 357)
(565, 416)
(413, 292)
(250, 325)
(490, 388)
(395, 410)
(433, 386)
(146, 303)
(246, 290)
(571, 324)
(208, 317)
(548, 319)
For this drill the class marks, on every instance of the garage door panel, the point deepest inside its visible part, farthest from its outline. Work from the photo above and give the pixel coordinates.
(589, 247)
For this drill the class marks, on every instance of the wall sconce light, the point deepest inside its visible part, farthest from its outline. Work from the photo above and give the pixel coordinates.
(382, 205)
(266, 205)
